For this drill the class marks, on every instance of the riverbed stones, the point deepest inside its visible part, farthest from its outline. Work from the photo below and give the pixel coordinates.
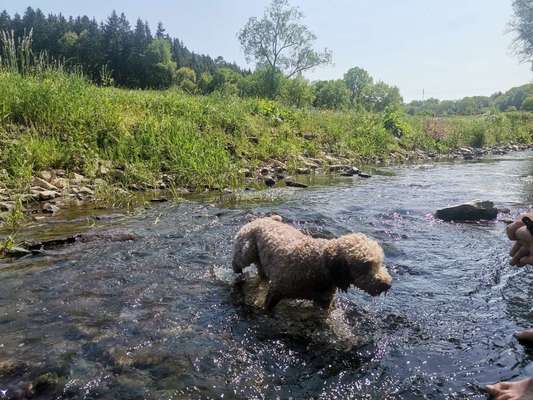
(303, 171)
(77, 178)
(473, 211)
(338, 167)
(84, 190)
(40, 182)
(47, 195)
(310, 164)
(6, 205)
(278, 166)
(46, 383)
(46, 175)
(60, 183)
(8, 367)
(246, 172)
(50, 208)
(351, 171)
(16, 252)
(265, 171)
(269, 181)
(103, 170)
(364, 175)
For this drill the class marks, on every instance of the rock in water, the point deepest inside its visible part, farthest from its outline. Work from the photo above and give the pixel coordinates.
(291, 183)
(474, 211)
(269, 181)
(50, 208)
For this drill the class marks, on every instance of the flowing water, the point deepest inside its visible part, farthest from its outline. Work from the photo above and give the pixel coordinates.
(161, 317)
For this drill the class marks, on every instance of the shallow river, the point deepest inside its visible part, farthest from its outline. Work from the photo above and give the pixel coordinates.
(160, 317)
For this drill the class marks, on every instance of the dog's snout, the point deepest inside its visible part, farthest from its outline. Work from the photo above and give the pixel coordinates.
(381, 287)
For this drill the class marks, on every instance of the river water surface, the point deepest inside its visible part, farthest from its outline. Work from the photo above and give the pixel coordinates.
(161, 318)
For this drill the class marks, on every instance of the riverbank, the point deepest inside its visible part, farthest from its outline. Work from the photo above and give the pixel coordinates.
(64, 141)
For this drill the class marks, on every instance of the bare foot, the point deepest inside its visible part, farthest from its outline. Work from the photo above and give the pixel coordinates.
(525, 337)
(518, 390)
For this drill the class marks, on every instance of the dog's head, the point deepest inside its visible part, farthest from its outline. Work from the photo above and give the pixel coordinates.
(357, 260)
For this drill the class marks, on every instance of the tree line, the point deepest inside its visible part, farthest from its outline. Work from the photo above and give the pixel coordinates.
(131, 56)
(114, 53)
(517, 98)
(282, 47)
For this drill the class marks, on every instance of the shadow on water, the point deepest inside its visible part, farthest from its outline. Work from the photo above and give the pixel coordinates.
(162, 317)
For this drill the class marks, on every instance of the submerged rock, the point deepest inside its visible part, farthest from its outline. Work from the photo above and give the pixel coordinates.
(291, 183)
(50, 208)
(473, 211)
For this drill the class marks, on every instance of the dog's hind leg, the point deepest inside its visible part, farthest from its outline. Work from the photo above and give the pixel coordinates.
(272, 299)
(325, 300)
(244, 252)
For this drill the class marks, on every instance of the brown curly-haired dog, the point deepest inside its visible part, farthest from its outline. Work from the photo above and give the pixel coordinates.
(298, 266)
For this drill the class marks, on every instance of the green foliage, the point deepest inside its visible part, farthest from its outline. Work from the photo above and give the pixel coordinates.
(59, 120)
(205, 82)
(521, 25)
(297, 92)
(186, 80)
(279, 42)
(527, 104)
(509, 101)
(395, 122)
(262, 83)
(383, 96)
(331, 94)
(225, 81)
(160, 69)
(131, 57)
(360, 83)
(358, 89)
(453, 132)
(11, 222)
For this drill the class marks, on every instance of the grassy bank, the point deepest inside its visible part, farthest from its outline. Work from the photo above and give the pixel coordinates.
(57, 120)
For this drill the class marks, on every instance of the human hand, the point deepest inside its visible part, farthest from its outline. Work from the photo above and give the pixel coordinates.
(522, 251)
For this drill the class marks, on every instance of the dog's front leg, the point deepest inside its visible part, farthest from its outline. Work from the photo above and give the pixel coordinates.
(325, 300)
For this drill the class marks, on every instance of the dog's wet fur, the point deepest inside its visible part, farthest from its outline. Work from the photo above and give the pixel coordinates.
(297, 266)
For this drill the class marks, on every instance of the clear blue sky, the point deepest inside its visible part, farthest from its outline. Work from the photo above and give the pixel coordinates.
(451, 48)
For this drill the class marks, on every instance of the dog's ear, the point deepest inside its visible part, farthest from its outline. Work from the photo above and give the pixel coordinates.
(340, 272)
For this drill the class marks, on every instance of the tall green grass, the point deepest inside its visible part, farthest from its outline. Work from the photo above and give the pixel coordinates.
(54, 119)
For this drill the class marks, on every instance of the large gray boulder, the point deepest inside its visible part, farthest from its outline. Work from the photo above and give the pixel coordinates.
(473, 211)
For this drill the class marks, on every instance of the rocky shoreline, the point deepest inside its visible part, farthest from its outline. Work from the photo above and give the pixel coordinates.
(52, 190)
